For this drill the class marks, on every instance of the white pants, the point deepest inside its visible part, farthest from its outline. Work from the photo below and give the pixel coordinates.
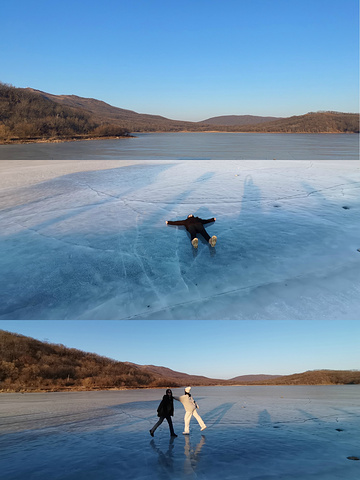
(187, 419)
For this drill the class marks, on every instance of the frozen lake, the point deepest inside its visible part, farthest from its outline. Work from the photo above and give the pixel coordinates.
(94, 244)
(196, 146)
(254, 433)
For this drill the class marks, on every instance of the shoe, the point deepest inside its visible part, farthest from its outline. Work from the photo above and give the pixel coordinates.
(174, 435)
(151, 433)
(203, 428)
(186, 433)
(195, 242)
(212, 241)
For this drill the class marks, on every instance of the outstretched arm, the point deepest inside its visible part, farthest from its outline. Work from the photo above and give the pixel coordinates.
(209, 220)
(178, 222)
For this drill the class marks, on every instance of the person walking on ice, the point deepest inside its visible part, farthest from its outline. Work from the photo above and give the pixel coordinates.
(190, 410)
(165, 410)
(195, 225)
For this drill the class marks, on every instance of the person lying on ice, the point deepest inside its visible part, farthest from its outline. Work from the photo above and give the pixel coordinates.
(195, 225)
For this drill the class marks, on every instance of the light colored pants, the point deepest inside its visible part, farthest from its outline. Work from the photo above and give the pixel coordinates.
(187, 419)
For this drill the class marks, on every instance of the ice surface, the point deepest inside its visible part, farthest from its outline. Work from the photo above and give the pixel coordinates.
(94, 244)
(254, 433)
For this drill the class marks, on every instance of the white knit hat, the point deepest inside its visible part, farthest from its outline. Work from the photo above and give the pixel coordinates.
(187, 389)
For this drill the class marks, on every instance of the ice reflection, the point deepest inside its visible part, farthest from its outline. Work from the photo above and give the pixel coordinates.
(165, 459)
(192, 454)
(168, 457)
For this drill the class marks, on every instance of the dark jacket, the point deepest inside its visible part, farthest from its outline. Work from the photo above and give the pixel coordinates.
(188, 222)
(166, 407)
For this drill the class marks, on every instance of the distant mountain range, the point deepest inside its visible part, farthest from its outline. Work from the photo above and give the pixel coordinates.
(237, 120)
(32, 115)
(185, 379)
(27, 364)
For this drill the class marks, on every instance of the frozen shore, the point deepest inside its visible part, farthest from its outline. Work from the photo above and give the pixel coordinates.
(88, 240)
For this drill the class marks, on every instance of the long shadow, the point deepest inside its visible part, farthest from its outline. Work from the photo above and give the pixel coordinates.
(264, 418)
(251, 194)
(216, 415)
(59, 187)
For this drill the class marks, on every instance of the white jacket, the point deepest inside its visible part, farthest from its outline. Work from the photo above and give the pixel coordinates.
(189, 403)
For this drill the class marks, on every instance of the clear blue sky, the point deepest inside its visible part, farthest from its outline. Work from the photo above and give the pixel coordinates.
(217, 349)
(188, 60)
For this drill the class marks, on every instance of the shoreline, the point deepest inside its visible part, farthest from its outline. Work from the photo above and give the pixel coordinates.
(26, 141)
(72, 139)
(120, 389)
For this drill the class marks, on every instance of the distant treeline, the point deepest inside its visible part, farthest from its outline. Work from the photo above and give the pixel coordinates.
(29, 365)
(25, 115)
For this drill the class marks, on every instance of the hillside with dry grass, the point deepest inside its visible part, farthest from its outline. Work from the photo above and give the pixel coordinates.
(27, 364)
(27, 116)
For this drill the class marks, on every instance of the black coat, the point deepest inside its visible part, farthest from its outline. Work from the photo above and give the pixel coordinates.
(192, 222)
(166, 407)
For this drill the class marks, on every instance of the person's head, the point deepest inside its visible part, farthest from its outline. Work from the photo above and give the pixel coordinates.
(191, 215)
(187, 390)
(169, 392)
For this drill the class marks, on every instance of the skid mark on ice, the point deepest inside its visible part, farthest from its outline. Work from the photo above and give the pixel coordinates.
(232, 291)
(142, 265)
(98, 192)
(55, 420)
(180, 274)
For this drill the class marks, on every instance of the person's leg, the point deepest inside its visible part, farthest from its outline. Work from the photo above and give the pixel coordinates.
(199, 419)
(194, 240)
(187, 422)
(201, 229)
(172, 433)
(157, 424)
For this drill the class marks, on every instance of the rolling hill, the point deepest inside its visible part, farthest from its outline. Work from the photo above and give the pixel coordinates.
(103, 112)
(252, 378)
(237, 120)
(318, 377)
(178, 377)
